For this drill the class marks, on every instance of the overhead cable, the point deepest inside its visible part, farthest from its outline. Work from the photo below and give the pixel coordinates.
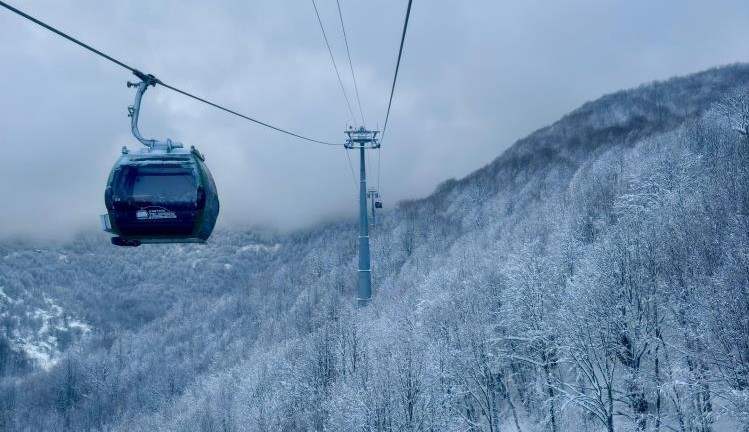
(350, 63)
(332, 59)
(353, 176)
(397, 66)
(143, 76)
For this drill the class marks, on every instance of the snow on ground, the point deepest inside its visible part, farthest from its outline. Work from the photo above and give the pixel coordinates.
(36, 330)
(258, 248)
(85, 328)
(4, 297)
(42, 354)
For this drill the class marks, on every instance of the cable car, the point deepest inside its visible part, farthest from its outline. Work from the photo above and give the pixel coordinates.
(160, 194)
(376, 200)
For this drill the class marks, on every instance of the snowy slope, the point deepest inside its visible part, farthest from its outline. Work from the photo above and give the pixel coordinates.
(592, 277)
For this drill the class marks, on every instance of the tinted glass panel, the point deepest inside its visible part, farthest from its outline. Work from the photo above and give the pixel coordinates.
(164, 187)
(156, 184)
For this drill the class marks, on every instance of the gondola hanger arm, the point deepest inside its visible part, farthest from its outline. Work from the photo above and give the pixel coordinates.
(134, 112)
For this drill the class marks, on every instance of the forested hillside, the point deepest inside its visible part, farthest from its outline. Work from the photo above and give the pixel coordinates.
(593, 277)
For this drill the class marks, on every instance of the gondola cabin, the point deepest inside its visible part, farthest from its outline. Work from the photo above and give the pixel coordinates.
(160, 195)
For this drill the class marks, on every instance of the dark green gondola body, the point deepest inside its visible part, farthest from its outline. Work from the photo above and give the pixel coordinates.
(157, 196)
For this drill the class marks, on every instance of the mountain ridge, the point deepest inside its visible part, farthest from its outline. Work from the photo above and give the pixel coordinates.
(524, 150)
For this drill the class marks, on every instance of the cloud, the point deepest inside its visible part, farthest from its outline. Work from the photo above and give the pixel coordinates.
(475, 77)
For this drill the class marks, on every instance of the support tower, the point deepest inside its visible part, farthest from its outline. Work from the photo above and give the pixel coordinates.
(363, 139)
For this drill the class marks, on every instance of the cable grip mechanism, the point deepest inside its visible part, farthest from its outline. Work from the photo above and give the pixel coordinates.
(134, 112)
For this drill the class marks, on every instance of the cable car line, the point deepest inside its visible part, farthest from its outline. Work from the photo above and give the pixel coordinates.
(182, 92)
(332, 59)
(392, 91)
(153, 79)
(340, 81)
(165, 194)
(351, 65)
(353, 175)
(379, 163)
(64, 35)
(397, 66)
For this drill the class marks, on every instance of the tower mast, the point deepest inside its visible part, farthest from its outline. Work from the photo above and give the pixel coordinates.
(363, 139)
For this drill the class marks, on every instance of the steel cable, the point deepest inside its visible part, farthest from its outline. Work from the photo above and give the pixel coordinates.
(332, 59)
(397, 67)
(351, 65)
(142, 76)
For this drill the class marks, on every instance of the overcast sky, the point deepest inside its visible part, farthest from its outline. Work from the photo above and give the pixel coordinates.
(476, 76)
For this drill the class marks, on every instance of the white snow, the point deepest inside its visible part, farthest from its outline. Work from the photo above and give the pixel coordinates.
(41, 346)
(258, 248)
(40, 353)
(85, 328)
(4, 296)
